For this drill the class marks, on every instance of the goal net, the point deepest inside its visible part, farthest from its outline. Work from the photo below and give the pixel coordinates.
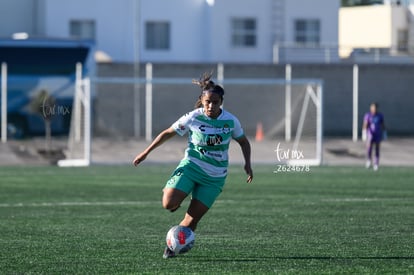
(78, 152)
(303, 126)
(289, 112)
(286, 114)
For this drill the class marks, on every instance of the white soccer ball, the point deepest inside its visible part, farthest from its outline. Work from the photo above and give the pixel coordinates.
(180, 239)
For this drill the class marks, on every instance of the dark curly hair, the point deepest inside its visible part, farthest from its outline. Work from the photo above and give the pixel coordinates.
(207, 85)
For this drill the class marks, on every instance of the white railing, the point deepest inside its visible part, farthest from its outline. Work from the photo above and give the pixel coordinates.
(284, 53)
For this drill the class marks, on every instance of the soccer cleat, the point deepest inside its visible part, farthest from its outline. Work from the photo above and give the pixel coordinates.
(375, 167)
(168, 253)
(368, 164)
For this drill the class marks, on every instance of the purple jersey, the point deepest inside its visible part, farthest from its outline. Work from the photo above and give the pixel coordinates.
(374, 125)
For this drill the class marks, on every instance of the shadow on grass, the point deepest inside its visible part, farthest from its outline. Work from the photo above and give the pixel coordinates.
(345, 152)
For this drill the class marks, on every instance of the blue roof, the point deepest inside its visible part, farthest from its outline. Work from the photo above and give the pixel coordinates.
(43, 56)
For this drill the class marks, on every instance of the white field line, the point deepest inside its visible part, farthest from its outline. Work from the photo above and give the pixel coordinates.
(77, 203)
(362, 199)
(142, 203)
(88, 203)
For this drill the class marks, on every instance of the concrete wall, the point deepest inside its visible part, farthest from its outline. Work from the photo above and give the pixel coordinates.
(17, 16)
(389, 85)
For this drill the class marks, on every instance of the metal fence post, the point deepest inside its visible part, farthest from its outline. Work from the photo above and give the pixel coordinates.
(4, 102)
(148, 102)
(355, 94)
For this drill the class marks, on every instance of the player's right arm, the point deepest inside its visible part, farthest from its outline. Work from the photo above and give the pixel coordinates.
(160, 139)
(365, 122)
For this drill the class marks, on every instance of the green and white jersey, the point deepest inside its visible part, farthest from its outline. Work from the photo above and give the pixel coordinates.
(209, 139)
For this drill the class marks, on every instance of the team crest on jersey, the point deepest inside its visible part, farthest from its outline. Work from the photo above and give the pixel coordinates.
(181, 127)
(226, 129)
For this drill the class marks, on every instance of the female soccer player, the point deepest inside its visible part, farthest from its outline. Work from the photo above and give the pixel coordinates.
(203, 170)
(373, 130)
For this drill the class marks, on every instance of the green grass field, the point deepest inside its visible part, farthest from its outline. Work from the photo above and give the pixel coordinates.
(109, 220)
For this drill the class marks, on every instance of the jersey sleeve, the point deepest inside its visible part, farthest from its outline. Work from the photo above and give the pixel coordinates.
(182, 125)
(237, 130)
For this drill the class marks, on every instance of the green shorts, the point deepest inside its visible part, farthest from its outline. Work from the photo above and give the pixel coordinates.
(189, 178)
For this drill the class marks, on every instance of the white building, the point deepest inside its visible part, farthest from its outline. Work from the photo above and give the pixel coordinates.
(388, 32)
(240, 31)
(389, 28)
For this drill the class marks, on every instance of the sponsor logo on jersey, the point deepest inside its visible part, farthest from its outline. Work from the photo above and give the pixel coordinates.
(214, 140)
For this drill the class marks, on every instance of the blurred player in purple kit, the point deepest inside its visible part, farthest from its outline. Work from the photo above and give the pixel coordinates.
(373, 132)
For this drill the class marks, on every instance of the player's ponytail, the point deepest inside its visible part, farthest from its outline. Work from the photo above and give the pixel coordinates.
(207, 85)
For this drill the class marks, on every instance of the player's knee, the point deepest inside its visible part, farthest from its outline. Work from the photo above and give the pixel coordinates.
(172, 199)
(170, 204)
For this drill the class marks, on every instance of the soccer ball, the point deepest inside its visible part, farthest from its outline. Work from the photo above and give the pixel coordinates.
(180, 239)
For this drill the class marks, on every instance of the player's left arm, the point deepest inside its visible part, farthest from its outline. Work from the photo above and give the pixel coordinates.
(383, 129)
(383, 124)
(246, 150)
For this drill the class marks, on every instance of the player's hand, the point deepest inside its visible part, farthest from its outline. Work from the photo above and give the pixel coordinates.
(364, 135)
(249, 173)
(139, 158)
